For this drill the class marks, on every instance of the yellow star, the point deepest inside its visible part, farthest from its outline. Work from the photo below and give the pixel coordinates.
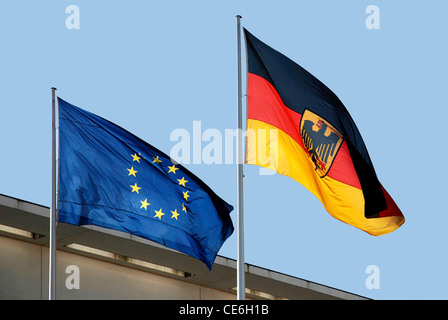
(145, 203)
(135, 188)
(159, 214)
(132, 172)
(173, 169)
(175, 214)
(186, 195)
(182, 181)
(136, 158)
(156, 159)
(184, 208)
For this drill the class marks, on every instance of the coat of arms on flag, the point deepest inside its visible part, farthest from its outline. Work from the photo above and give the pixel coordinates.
(321, 141)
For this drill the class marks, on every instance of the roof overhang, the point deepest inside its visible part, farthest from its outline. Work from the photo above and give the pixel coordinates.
(30, 222)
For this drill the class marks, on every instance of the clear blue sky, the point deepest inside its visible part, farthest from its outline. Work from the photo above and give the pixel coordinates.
(156, 66)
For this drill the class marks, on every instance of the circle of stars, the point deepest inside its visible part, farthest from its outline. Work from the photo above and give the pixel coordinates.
(144, 203)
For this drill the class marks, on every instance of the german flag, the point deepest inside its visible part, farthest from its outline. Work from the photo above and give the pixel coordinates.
(299, 128)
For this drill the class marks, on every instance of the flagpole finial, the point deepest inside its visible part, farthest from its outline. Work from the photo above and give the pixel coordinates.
(238, 16)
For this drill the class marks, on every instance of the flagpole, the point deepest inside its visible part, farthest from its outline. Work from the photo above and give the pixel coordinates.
(52, 245)
(240, 263)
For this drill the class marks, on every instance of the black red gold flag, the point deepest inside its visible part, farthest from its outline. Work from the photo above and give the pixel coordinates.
(299, 128)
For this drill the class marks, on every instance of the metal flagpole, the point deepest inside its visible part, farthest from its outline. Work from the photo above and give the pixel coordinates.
(53, 210)
(240, 263)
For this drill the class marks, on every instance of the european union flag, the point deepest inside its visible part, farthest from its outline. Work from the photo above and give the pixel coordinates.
(112, 179)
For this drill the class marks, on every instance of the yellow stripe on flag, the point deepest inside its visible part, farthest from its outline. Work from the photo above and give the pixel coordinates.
(272, 148)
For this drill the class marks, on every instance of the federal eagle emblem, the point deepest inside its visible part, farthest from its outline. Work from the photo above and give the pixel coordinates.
(321, 141)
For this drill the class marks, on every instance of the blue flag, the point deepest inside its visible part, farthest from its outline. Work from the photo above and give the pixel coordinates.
(112, 179)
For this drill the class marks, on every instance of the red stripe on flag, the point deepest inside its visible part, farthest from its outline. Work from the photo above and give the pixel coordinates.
(265, 104)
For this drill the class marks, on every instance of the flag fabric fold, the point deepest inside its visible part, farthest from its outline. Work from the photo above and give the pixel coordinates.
(113, 179)
(299, 128)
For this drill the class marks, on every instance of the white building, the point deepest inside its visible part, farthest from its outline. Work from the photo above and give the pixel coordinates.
(97, 263)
